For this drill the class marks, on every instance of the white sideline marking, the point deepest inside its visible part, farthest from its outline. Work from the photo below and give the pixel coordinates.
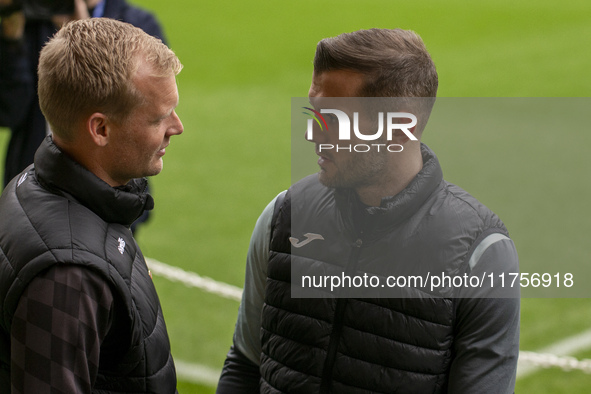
(192, 279)
(565, 347)
(201, 374)
(197, 373)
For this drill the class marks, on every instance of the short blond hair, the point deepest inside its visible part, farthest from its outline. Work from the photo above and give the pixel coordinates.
(89, 66)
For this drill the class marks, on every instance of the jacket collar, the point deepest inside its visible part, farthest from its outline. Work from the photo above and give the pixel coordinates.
(61, 175)
(393, 209)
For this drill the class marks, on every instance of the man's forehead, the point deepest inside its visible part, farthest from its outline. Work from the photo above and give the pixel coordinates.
(336, 83)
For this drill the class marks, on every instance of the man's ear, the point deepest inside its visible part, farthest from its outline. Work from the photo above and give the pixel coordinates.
(404, 125)
(99, 128)
(401, 137)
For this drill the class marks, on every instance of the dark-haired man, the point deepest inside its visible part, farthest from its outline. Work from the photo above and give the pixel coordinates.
(375, 212)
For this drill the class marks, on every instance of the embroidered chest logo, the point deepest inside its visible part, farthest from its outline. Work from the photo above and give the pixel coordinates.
(309, 238)
(121, 246)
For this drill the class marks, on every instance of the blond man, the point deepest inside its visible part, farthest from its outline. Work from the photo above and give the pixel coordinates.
(79, 310)
(24, 28)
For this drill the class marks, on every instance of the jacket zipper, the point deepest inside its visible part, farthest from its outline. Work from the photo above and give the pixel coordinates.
(337, 328)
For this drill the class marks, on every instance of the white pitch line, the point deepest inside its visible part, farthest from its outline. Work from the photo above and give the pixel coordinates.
(192, 279)
(197, 373)
(202, 374)
(565, 347)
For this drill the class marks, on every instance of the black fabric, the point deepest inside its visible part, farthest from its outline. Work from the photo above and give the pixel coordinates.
(125, 12)
(45, 221)
(368, 344)
(123, 205)
(239, 375)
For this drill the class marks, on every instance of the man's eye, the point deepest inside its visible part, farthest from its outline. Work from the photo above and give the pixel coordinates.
(157, 121)
(330, 118)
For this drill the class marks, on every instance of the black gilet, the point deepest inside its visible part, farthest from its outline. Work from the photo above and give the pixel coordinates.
(57, 212)
(379, 344)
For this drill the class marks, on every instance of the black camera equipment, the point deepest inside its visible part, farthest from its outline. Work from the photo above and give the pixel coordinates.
(39, 9)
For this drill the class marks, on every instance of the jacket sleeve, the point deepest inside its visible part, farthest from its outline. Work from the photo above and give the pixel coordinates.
(240, 373)
(486, 346)
(17, 83)
(58, 327)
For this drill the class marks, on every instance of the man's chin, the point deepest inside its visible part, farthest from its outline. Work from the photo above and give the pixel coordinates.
(151, 172)
(326, 180)
(157, 167)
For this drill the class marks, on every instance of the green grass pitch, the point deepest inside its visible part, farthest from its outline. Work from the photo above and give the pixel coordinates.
(243, 61)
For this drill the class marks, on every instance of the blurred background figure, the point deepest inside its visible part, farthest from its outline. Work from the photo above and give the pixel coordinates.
(25, 26)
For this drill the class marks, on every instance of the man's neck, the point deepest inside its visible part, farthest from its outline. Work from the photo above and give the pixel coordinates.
(401, 174)
(85, 153)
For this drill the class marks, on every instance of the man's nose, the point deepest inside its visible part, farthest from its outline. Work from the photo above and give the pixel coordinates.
(314, 133)
(178, 127)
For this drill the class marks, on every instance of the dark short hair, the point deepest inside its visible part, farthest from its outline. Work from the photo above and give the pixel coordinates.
(395, 62)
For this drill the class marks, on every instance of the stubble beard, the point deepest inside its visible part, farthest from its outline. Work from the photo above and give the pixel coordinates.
(361, 170)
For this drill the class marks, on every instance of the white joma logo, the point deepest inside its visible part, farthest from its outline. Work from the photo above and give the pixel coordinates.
(309, 238)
